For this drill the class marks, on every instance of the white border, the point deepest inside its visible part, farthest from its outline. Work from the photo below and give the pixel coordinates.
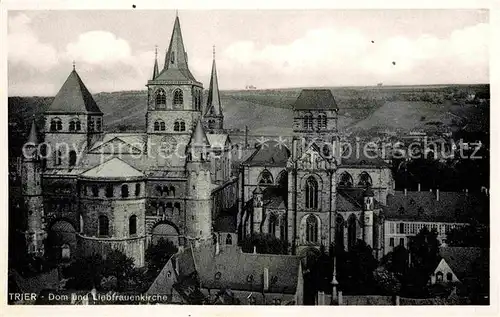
(243, 311)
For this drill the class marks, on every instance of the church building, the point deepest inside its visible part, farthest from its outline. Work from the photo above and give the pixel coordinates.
(89, 191)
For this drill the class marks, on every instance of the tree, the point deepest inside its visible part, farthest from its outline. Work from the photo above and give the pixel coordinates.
(396, 261)
(424, 252)
(386, 281)
(468, 236)
(264, 243)
(120, 266)
(355, 273)
(86, 273)
(157, 255)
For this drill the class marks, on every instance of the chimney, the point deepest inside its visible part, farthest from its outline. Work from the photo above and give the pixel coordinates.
(418, 187)
(437, 194)
(406, 191)
(321, 298)
(266, 279)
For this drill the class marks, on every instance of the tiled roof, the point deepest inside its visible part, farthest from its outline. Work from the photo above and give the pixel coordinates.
(113, 168)
(315, 99)
(452, 207)
(244, 271)
(269, 154)
(73, 97)
(198, 137)
(461, 259)
(361, 154)
(218, 140)
(351, 199)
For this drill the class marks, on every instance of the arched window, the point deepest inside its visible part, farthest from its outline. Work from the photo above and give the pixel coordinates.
(322, 121)
(308, 121)
(345, 180)
(266, 178)
(183, 126)
(211, 124)
(312, 229)
(43, 155)
(72, 126)
(176, 126)
(78, 125)
(132, 225)
(272, 225)
(137, 189)
(311, 193)
(72, 158)
(178, 97)
(171, 191)
(161, 98)
(229, 239)
(157, 126)
(365, 180)
(165, 190)
(56, 124)
(162, 126)
(159, 190)
(103, 226)
(95, 191)
(109, 190)
(124, 190)
(58, 158)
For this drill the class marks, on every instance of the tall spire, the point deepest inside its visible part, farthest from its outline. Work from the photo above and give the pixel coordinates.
(214, 107)
(155, 68)
(176, 55)
(33, 137)
(198, 137)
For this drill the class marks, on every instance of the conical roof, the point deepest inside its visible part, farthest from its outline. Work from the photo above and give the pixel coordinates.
(33, 137)
(198, 137)
(74, 97)
(155, 67)
(214, 107)
(176, 63)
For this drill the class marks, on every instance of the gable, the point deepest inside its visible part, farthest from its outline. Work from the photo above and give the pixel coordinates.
(116, 146)
(113, 168)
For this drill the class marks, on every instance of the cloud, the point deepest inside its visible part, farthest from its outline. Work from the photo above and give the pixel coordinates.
(24, 48)
(347, 57)
(99, 48)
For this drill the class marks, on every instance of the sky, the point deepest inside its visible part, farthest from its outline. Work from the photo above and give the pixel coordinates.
(114, 50)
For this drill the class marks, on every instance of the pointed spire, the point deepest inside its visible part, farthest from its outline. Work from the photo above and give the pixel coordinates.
(176, 54)
(198, 137)
(74, 65)
(33, 137)
(214, 107)
(155, 67)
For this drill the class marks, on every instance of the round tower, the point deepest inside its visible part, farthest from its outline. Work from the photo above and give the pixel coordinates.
(198, 202)
(32, 194)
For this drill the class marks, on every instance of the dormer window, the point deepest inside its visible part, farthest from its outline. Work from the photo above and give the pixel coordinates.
(172, 57)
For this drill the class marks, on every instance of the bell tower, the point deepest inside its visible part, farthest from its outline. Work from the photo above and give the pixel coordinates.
(174, 97)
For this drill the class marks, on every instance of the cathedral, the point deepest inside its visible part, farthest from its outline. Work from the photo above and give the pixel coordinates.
(91, 191)
(87, 190)
(318, 193)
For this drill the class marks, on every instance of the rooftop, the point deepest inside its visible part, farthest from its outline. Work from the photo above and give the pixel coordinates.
(315, 99)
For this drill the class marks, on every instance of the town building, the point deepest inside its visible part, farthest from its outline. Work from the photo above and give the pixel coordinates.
(214, 274)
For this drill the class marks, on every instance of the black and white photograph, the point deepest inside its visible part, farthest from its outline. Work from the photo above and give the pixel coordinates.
(310, 157)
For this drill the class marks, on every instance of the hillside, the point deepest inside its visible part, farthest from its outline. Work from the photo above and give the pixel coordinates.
(269, 111)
